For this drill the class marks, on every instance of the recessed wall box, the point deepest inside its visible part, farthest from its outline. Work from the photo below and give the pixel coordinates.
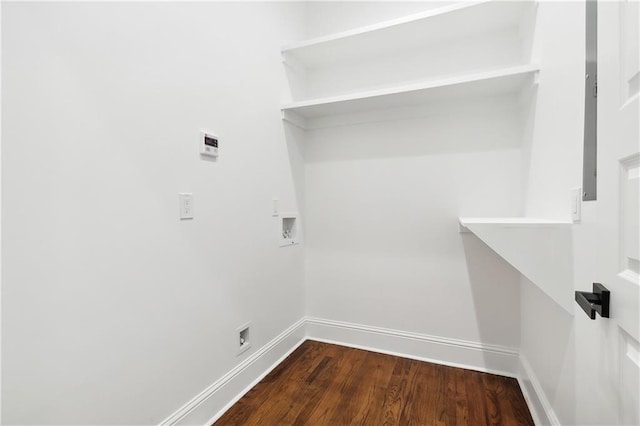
(244, 338)
(288, 229)
(208, 145)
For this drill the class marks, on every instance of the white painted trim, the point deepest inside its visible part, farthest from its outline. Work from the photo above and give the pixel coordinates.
(228, 389)
(541, 409)
(252, 384)
(487, 358)
(494, 359)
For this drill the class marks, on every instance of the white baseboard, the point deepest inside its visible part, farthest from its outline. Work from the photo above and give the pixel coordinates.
(227, 390)
(494, 359)
(453, 352)
(539, 405)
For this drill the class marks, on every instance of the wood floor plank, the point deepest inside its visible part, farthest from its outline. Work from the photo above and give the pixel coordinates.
(504, 405)
(393, 403)
(279, 403)
(311, 392)
(493, 412)
(343, 372)
(324, 384)
(440, 413)
(417, 411)
(257, 403)
(513, 394)
(350, 395)
(287, 364)
(476, 403)
(460, 398)
(366, 402)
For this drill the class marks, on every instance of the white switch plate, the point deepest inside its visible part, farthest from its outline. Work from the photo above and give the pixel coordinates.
(186, 205)
(275, 210)
(576, 204)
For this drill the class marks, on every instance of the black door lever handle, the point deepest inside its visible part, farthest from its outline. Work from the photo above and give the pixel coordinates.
(597, 301)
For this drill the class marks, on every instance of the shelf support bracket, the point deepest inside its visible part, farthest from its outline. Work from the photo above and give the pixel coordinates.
(291, 61)
(295, 119)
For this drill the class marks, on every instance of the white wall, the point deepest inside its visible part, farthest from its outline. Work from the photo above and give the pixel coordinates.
(113, 310)
(553, 141)
(0, 215)
(382, 245)
(563, 351)
(383, 197)
(323, 19)
(110, 301)
(548, 346)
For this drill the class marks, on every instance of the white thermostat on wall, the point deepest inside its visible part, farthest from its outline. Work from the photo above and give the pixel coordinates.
(208, 144)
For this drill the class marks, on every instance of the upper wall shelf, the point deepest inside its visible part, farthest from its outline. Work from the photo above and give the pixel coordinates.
(540, 249)
(488, 83)
(462, 19)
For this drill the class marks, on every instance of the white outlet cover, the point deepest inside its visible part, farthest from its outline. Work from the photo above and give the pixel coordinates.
(186, 205)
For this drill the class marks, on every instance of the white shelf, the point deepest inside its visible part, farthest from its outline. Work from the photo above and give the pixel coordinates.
(488, 83)
(462, 19)
(540, 249)
(512, 222)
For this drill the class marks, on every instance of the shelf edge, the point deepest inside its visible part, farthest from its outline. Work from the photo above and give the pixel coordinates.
(290, 48)
(415, 87)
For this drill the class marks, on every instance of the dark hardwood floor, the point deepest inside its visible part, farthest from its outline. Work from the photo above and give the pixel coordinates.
(323, 384)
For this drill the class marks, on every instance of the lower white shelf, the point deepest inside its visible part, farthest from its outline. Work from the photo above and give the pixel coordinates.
(540, 249)
(486, 83)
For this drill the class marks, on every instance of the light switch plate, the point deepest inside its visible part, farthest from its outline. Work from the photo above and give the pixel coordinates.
(576, 204)
(186, 205)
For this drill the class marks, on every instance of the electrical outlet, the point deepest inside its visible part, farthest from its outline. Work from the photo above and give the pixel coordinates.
(186, 205)
(244, 338)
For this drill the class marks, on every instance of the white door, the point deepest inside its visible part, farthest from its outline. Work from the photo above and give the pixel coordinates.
(618, 201)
